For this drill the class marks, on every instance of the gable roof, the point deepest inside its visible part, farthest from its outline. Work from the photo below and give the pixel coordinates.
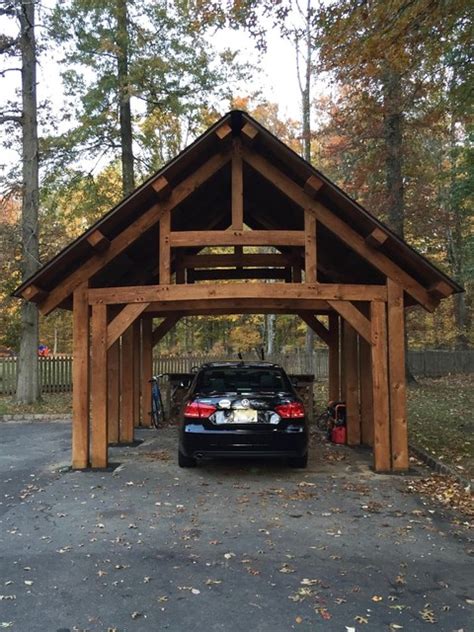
(209, 207)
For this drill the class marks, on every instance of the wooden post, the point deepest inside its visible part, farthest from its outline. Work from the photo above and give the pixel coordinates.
(127, 373)
(351, 380)
(396, 363)
(334, 377)
(80, 379)
(310, 275)
(147, 369)
(165, 249)
(366, 394)
(136, 373)
(113, 392)
(380, 387)
(99, 386)
(237, 187)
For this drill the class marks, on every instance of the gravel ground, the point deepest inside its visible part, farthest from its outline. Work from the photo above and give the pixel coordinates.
(234, 546)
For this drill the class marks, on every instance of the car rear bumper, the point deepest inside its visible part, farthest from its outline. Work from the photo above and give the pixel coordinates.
(199, 441)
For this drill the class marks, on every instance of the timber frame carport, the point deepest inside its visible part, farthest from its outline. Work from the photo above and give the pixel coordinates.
(237, 186)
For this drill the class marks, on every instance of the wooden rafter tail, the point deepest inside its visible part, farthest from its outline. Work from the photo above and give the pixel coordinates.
(249, 133)
(162, 188)
(144, 222)
(440, 290)
(164, 327)
(224, 133)
(34, 294)
(376, 238)
(317, 327)
(336, 225)
(313, 186)
(98, 241)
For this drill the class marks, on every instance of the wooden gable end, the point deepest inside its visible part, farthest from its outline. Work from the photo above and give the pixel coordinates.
(236, 186)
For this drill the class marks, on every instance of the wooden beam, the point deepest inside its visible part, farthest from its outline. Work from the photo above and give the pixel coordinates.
(311, 265)
(99, 444)
(333, 359)
(377, 238)
(313, 185)
(318, 327)
(136, 373)
(113, 393)
(165, 249)
(80, 379)
(147, 370)
(224, 132)
(353, 316)
(130, 234)
(164, 327)
(34, 293)
(378, 319)
(98, 241)
(397, 381)
(366, 394)
(237, 196)
(235, 260)
(225, 308)
(440, 290)
(194, 238)
(351, 378)
(336, 293)
(123, 320)
(336, 225)
(239, 274)
(249, 133)
(127, 388)
(162, 188)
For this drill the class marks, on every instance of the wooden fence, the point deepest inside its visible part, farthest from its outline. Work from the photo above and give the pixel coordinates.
(56, 372)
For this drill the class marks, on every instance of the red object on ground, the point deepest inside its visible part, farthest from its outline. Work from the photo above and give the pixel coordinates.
(338, 434)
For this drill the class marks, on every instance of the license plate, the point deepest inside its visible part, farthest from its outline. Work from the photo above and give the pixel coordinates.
(245, 416)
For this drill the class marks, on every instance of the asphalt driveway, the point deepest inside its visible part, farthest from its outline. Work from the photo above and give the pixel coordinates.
(229, 546)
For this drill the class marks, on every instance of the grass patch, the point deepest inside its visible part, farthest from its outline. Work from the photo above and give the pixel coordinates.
(50, 403)
(440, 418)
(441, 421)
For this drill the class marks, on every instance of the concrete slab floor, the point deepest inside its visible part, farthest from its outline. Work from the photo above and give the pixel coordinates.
(232, 546)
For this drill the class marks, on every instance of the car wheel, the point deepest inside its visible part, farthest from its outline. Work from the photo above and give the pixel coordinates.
(185, 461)
(298, 461)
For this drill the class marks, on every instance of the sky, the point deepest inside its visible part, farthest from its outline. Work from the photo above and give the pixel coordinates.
(277, 80)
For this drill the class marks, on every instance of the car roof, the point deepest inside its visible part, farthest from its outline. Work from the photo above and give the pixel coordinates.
(241, 364)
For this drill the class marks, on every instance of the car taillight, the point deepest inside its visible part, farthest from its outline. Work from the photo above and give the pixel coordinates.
(294, 410)
(198, 409)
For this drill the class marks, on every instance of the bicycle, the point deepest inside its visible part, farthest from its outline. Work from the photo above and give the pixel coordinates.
(157, 406)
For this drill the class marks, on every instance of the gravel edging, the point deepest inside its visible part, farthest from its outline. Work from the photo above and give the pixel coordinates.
(438, 466)
(36, 417)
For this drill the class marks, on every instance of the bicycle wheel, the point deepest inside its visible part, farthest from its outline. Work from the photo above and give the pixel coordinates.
(156, 410)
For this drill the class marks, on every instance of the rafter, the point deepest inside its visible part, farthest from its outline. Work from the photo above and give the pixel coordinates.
(339, 227)
(145, 221)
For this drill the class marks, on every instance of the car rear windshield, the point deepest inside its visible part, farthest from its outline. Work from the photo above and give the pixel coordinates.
(231, 379)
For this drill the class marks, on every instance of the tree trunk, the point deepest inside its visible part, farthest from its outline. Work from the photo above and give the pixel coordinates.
(270, 321)
(393, 136)
(305, 88)
(126, 138)
(27, 377)
(455, 241)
